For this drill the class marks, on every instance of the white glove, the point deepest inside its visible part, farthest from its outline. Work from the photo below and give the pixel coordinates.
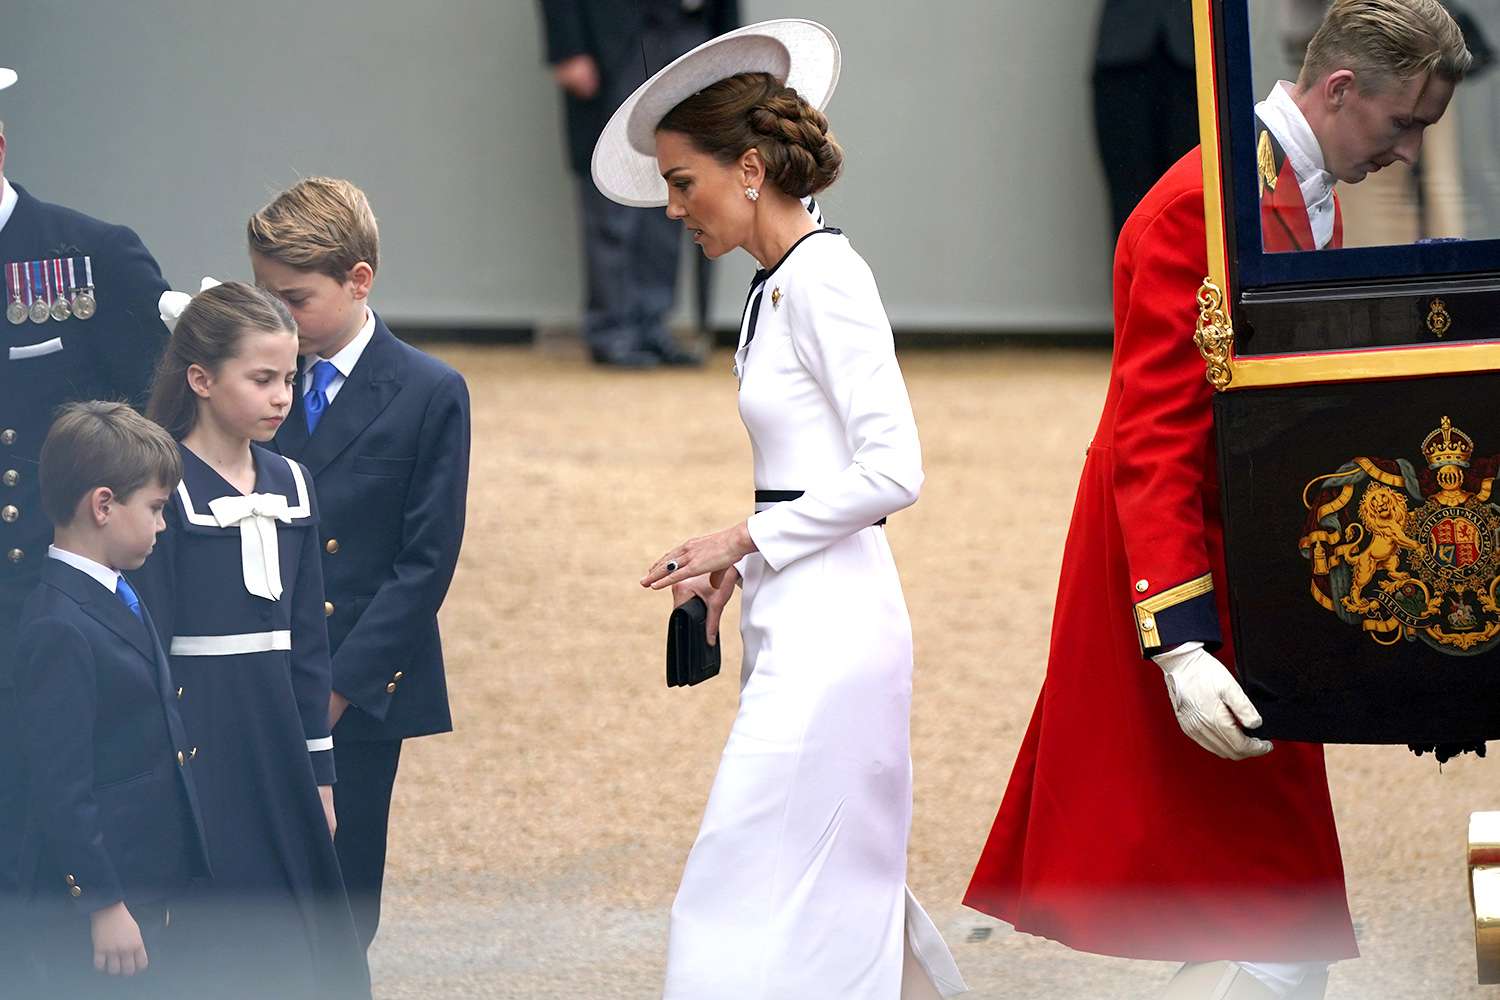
(1211, 706)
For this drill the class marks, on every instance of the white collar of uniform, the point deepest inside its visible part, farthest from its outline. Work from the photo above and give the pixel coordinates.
(346, 359)
(1290, 127)
(108, 578)
(8, 199)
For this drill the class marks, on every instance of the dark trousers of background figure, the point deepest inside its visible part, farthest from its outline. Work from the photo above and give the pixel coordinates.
(362, 803)
(631, 257)
(631, 254)
(1145, 118)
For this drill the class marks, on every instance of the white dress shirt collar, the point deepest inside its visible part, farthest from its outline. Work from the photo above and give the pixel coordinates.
(8, 199)
(108, 578)
(343, 362)
(1287, 123)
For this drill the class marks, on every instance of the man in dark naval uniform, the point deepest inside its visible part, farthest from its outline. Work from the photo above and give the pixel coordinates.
(81, 322)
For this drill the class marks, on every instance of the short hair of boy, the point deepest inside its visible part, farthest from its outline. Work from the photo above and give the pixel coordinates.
(1387, 42)
(320, 224)
(95, 444)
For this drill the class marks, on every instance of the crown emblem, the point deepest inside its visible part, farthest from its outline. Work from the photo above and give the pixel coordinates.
(1447, 446)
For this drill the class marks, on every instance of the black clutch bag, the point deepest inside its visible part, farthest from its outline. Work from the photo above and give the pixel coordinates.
(690, 659)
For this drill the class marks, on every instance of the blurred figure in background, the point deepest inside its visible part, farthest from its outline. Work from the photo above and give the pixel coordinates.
(600, 51)
(1478, 120)
(1145, 95)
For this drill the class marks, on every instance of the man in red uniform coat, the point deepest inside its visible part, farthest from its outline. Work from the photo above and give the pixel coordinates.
(1143, 820)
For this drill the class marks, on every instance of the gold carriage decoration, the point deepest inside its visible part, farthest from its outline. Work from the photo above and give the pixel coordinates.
(1410, 553)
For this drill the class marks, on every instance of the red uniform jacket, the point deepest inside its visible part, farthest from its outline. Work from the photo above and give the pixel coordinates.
(1118, 834)
(1283, 214)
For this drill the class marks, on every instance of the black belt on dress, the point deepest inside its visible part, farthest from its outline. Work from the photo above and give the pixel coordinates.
(781, 496)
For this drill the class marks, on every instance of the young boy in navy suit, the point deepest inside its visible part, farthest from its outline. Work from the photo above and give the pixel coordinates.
(384, 430)
(111, 833)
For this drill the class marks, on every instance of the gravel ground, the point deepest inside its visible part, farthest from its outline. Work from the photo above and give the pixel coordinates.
(535, 851)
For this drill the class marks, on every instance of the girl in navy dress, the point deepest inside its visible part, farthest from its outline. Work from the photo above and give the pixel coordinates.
(239, 588)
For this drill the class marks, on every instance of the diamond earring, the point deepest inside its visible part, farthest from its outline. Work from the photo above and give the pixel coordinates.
(752, 193)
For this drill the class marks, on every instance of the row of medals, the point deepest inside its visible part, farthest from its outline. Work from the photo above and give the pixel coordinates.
(78, 303)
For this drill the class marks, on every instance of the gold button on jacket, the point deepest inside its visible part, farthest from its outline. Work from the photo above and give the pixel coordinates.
(11, 477)
(10, 513)
(332, 546)
(327, 609)
(390, 688)
(15, 555)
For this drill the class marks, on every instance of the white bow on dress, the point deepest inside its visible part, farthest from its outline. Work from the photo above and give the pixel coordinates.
(260, 555)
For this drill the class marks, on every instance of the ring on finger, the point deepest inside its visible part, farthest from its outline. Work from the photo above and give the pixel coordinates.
(671, 565)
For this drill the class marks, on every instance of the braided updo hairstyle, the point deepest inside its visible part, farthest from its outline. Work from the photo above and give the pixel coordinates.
(753, 110)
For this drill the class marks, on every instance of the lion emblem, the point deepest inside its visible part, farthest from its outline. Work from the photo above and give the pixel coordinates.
(1382, 520)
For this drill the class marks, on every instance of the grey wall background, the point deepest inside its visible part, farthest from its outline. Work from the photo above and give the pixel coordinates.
(973, 185)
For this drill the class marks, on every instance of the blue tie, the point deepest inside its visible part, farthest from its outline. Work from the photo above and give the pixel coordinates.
(126, 593)
(316, 400)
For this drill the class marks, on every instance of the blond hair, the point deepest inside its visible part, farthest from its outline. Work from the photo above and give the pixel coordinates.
(320, 224)
(96, 444)
(1385, 42)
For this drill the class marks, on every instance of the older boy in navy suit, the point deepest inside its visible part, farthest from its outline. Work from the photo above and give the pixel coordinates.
(112, 831)
(384, 430)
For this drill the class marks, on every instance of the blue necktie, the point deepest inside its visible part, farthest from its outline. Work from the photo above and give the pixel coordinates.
(316, 400)
(126, 593)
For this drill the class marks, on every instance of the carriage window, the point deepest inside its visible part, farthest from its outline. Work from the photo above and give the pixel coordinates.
(1371, 197)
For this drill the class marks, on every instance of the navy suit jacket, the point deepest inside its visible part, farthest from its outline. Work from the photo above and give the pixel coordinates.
(390, 463)
(111, 355)
(111, 814)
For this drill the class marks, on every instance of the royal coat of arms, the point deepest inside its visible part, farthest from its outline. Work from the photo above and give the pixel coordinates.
(1410, 554)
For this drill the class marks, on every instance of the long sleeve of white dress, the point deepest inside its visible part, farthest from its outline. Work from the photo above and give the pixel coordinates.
(841, 336)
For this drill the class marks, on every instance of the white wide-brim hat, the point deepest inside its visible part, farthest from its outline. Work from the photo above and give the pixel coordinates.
(7, 77)
(800, 54)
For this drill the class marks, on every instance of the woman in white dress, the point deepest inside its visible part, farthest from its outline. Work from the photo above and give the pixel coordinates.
(796, 886)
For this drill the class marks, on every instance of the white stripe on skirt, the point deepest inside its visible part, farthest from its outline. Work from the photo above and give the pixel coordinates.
(231, 645)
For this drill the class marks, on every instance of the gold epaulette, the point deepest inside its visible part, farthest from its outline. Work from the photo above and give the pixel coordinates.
(1265, 158)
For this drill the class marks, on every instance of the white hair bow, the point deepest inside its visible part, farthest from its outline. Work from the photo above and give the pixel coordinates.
(260, 555)
(171, 304)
